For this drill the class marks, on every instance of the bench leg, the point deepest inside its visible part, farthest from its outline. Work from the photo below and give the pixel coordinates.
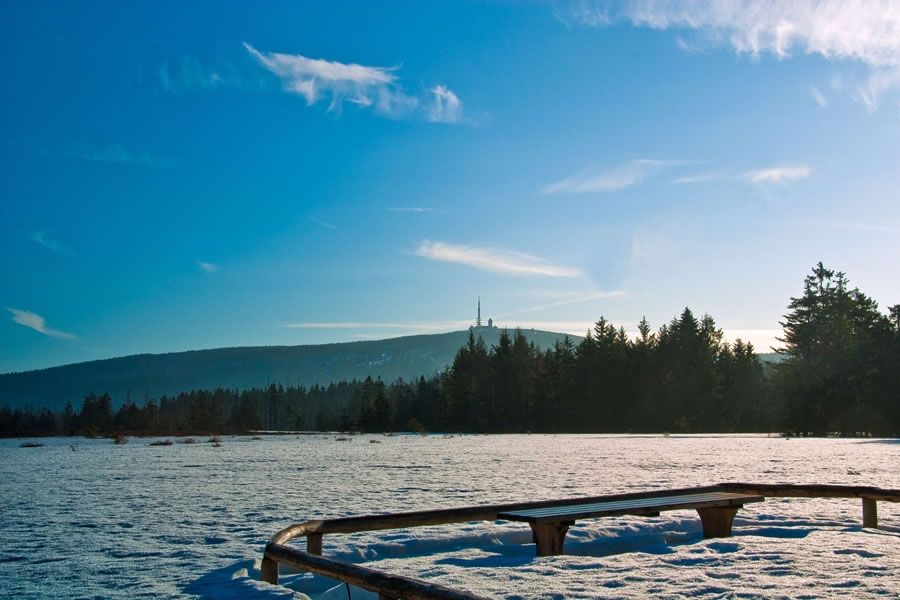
(549, 537)
(314, 543)
(870, 513)
(269, 571)
(717, 520)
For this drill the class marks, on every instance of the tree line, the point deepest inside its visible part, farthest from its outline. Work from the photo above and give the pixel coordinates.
(839, 374)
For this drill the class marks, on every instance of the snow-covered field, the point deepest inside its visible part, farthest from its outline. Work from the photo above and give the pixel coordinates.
(90, 519)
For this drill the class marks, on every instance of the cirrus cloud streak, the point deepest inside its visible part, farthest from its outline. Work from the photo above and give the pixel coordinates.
(41, 238)
(779, 174)
(573, 299)
(36, 322)
(492, 259)
(610, 180)
(207, 267)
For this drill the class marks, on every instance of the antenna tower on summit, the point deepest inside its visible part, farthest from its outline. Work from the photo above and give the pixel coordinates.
(478, 318)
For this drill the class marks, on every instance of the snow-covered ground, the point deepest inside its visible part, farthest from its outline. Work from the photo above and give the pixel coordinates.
(90, 519)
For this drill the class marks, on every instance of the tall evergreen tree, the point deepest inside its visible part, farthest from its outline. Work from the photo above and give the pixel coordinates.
(831, 334)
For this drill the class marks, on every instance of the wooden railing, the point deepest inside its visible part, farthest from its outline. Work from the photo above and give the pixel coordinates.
(392, 586)
(869, 495)
(384, 584)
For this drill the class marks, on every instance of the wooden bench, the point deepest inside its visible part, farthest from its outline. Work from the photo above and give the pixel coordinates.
(549, 524)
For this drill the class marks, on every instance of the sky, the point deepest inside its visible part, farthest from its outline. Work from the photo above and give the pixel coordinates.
(189, 175)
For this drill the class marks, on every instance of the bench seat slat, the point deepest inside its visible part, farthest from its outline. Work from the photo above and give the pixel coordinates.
(615, 504)
(619, 507)
(572, 515)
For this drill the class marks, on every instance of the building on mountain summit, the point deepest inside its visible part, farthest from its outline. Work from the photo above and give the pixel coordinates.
(478, 326)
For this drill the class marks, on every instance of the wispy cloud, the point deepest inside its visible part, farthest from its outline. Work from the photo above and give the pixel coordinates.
(610, 180)
(778, 174)
(570, 299)
(650, 243)
(410, 209)
(188, 73)
(688, 46)
(36, 322)
(110, 153)
(819, 97)
(337, 82)
(700, 178)
(40, 238)
(324, 224)
(411, 325)
(377, 88)
(207, 267)
(876, 85)
(853, 226)
(492, 259)
(446, 107)
(315, 79)
(554, 294)
(863, 31)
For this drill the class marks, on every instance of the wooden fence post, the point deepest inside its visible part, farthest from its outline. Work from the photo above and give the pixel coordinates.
(870, 513)
(269, 571)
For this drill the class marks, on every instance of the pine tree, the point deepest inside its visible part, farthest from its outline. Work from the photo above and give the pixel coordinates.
(831, 335)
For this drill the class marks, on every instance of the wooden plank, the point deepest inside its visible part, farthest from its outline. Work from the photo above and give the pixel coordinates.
(624, 512)
(790, 490)
(588, 511)
(638, 503)
(390, 586)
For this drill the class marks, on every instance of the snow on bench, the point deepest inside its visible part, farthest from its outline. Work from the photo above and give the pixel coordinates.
(549, 524)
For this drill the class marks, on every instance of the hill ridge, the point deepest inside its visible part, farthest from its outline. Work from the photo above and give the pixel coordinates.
(153, 375)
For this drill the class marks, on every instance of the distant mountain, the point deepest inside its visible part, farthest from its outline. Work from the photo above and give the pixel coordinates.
(771, 358)
(155, 375)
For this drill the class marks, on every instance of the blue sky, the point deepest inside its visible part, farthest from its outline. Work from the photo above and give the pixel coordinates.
(187, 175)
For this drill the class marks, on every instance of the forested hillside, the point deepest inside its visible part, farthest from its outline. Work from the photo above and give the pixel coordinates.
(155, 375)
(839, 373)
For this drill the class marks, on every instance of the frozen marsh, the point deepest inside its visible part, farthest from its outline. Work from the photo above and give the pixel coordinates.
(92, 519)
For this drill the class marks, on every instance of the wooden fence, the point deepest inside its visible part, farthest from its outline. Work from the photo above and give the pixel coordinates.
(396, 587)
